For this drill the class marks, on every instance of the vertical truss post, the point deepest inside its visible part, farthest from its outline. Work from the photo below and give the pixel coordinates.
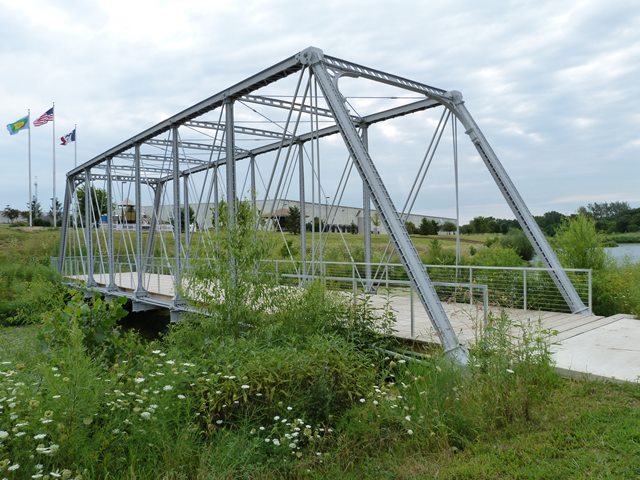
(366, 219)
(88, 224)
(177, 274)
(157, 199)
(252, 167)
(111, 284)
(230, 163)
(68, 191)
(187, 218)
(410, 259)
(518, 207)
(231, 181)
(216, 208)
(140, 291)
(303, 223)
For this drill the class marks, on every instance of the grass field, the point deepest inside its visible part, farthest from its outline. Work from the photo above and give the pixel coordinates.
(115, 405)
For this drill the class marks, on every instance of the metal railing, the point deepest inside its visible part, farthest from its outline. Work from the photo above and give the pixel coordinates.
(527, 288)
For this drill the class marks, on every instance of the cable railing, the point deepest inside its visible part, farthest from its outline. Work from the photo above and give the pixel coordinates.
(526, 288)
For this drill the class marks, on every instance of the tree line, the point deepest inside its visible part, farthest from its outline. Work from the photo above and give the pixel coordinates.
(609, 217)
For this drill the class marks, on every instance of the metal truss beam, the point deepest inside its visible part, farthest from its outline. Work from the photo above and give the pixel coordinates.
(131, 168)
(256, 132)
(158, 158)
(189, 145)
(285, 105)
(124, 178)
(259, 80)
(380, 197)
(325, 132)
(517, 205)
(353, 69)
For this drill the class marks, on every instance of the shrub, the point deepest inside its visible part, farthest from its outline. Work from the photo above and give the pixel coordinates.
(579, 245)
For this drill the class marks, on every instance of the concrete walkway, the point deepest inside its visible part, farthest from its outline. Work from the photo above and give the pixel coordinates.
(582, 345)
(609, 351)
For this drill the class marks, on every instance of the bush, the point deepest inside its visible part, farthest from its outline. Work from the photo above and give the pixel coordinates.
(496, 256)
(517, 240)
(579, 245)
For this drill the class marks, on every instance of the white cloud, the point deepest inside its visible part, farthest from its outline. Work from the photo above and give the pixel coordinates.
(553, 85)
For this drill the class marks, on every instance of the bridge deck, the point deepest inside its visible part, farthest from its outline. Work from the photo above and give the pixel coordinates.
(582, 344)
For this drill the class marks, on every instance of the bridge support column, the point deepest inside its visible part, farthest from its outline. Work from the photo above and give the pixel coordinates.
(88, 227)
(111, 284)
(231, 180)
(66, 209)
(177, 274)
(157, 199)
(303, 214)
(366, 219)
(140, 290)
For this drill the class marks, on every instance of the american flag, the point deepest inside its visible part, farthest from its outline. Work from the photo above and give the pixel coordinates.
(44, 118)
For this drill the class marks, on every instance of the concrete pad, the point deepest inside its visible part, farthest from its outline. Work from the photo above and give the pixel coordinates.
(610, 351)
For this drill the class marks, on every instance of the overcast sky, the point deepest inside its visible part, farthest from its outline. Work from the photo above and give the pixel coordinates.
(554, 85)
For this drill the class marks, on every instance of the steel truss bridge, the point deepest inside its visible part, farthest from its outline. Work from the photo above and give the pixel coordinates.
(269, 137)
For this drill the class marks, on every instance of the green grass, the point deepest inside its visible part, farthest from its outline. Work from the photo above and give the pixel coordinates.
(615, 238)
(207, 400)
(581, 429)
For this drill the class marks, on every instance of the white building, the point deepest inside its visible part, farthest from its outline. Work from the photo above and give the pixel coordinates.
(339, 217)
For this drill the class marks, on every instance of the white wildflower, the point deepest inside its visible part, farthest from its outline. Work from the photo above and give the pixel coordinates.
(509, 370)
(410, 432)
(146, 415)
(276, 442)
(139, 380)
(39, 436)
(166, 388)
(245, 387)
(13, 467)
(181, 397)
(3, 434)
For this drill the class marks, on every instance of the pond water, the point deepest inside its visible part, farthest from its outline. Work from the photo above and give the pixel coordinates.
(630, 250)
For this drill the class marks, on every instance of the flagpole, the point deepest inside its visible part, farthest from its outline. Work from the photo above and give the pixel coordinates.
(29, 150)
(55, 224)
(75, 146)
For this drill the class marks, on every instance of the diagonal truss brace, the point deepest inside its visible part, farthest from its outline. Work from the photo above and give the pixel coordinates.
(371, 178)
(516, 203)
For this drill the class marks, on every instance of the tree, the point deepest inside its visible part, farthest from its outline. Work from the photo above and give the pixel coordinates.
(579, 245)
(192, 216)
(375, 220)
(518, 241)
(292, 222)
(550, 222)
(98, 201)
(11, 213)
(58, 212)
(36, 210)
(428, 227)
(411, 228)
(448, 227)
